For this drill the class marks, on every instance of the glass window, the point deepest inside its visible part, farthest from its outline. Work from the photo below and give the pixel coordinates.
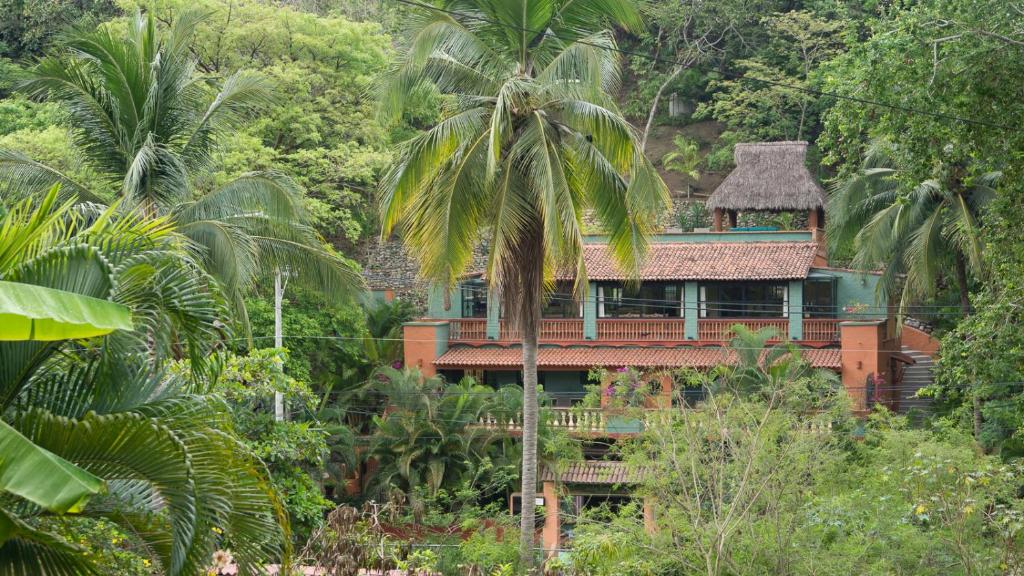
(474, 299)
(743, 300)
(561, 303)
(819, 298)
(651, 300)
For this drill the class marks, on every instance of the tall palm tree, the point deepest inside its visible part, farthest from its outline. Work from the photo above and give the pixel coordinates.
(170, 469)
(530, 139)
(146, 122)
(915, 232)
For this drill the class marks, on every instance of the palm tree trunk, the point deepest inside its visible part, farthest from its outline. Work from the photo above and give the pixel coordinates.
(965, 311)
(530, 414)
(531, 274)
(962, 286)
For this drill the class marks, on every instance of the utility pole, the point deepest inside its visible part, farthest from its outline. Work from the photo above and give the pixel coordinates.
(278, 338)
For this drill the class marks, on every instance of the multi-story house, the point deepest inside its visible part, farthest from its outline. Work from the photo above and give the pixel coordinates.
(693, 287)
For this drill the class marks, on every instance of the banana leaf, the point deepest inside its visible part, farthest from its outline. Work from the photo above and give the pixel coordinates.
(29, 312)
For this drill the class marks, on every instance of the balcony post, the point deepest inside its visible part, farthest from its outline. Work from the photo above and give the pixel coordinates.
(691, 310)
(590, 313)
(796, 310)
(493, 316)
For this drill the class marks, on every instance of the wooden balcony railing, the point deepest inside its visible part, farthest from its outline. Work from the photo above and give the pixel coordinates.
(821, 329)
(551, 329)
(467, 329)
(641, 329)
(644, 329)
(720, 329)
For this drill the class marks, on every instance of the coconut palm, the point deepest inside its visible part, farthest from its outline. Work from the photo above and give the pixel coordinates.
(530, 139)
(916, 233)
(147, 123)
(171, 472)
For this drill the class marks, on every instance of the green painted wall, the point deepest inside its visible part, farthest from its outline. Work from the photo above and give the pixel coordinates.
(854, 288)
(435, 303)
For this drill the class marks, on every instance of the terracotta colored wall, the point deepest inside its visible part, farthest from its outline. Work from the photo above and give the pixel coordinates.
(863, 353)
(424, 342)
(551, 536)
(919, 340)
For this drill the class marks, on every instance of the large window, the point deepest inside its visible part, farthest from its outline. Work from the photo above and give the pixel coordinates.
(651, 300)
(743, 300)
(819, 298)
(474, 299)
(561, 303)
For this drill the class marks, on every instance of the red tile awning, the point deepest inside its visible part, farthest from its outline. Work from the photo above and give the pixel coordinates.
(594, 472)
(709, 261)
(585, 357)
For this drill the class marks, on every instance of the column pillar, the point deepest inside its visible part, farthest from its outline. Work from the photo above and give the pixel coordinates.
(796, 310)
(691, 310)
(551, 535)
(650, 518)
(716, 224)
(862, 355)
(590, 313)
(493, 316)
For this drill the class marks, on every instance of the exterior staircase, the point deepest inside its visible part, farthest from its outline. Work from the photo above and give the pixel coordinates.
(915, 377)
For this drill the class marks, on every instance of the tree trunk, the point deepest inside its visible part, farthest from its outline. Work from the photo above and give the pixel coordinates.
(278, 338)
(654, 106)
(965, 310)
(530, 320)
(962, 286)
(529, 323)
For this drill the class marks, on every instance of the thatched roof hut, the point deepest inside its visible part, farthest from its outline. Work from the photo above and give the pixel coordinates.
(769, 176)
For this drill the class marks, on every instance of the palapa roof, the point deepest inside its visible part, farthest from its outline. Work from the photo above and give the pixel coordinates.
(585, 357)
(708, 261)
(770, 176)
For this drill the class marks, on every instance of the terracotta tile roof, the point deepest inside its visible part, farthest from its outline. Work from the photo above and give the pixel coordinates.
(709, 261)
(592, 472)
(608, 356)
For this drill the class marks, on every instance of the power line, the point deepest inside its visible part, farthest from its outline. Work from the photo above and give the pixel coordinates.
(734, 75)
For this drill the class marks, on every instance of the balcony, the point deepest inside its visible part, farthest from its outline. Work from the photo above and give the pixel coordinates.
(629, 330)
(599, 422)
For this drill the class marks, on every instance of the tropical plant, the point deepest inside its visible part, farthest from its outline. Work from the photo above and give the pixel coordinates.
(685, 158)
(531, 140)
(171, 470)
(915, 231)
(147, 123)
(425, 436)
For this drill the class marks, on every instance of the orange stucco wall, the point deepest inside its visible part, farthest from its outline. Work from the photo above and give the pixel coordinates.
(919, 340)
(866, 350)
(424, 342)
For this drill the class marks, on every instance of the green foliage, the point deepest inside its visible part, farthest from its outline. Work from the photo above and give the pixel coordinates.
(30, 26)
(685, 158)
(152, 135)
(769, 99)
(295, 449)
(172, 468)
(108, 547)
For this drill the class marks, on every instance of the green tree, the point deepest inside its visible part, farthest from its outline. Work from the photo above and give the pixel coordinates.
(771, 99)
(171, 468)
(148, 125)
(914, 231)
(531, 140)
